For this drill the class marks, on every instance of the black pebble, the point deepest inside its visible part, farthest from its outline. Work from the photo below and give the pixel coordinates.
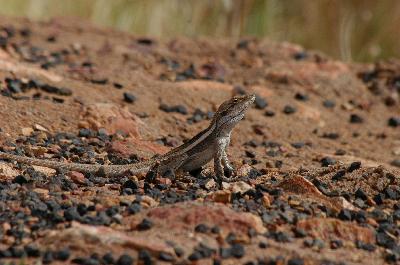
(32, 250)
(145, 41)
(395, 163)
(130, 184)
(298, 56)
(128, 97)
(100, 81)
(339, 175)
(361, 194)
(365, 246)
(202, 228)
(269, 113)
(237, 250)
(195, 256)
(329, 104)
(289, 109)
(118, 85)
(301, 97)
(260, 102)
(394, 121)
(125, 259)
(145, 257)
(379, 198)
(345, 215)
(62, 254)
(178, 108)
(355, 118)
(179, 251)
(166, 257)
(262, 245)
(327, 161)
(384, 240)
(20, 180)
(47, 257)
(331, 135)
(354, 166)
(298, 145)
(296, 261)
(134, 208)
(146, 224)
(71, 214)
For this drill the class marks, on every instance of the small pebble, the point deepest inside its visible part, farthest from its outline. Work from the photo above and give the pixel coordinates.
(345, 215)
(301, 97)
(269, 113)
(146, 224)
(128, 97)
(355, 118)
(354, 166)
(125, 259)
(329, 104)
(395, 162)
(289, 109)
(260, 102)
(237, 251)
(296, 261)
(202, 228)
(327, 161)
(339, 175)
(394, 121)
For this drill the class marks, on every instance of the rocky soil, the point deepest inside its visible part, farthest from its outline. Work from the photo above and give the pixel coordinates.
(318, 154)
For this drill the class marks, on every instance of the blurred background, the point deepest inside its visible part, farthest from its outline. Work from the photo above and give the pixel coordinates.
(351, 30)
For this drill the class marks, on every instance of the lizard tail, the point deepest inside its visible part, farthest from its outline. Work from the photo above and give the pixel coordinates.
(106, 170)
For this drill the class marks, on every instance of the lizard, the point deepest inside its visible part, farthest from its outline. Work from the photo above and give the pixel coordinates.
(209, 144)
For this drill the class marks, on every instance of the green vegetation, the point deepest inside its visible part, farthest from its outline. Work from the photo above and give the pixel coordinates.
(352, 30)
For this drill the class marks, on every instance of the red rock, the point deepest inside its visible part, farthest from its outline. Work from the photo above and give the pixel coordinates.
(185, 216)
(90, 238)
(27, 70)
(240, 187)
(330, 228)
(299, 185)
(76, 177)
(222, 196)
(113, 119)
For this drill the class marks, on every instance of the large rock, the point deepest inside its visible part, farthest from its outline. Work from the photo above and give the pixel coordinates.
(91, 238)
(330, 228)
(112, 118)
(115, 119)
(299, 185)
(185, 216)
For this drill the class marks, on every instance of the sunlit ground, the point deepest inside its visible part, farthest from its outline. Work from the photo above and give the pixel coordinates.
(351, 30)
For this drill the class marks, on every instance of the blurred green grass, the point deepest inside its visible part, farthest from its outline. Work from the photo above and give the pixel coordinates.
(351, 30)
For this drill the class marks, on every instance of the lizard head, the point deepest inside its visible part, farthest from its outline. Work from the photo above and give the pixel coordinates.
(231, 112)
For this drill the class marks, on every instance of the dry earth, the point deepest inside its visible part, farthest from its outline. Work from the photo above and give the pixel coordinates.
(319, 153)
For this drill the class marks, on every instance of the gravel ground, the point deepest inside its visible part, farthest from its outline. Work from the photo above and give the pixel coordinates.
(318, 153)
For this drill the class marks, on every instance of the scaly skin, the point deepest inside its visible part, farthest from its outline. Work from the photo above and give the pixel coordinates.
(209, 144)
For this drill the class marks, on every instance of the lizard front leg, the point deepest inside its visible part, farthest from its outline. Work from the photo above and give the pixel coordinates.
(221, 161)
(218, 166)
(227, 165)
